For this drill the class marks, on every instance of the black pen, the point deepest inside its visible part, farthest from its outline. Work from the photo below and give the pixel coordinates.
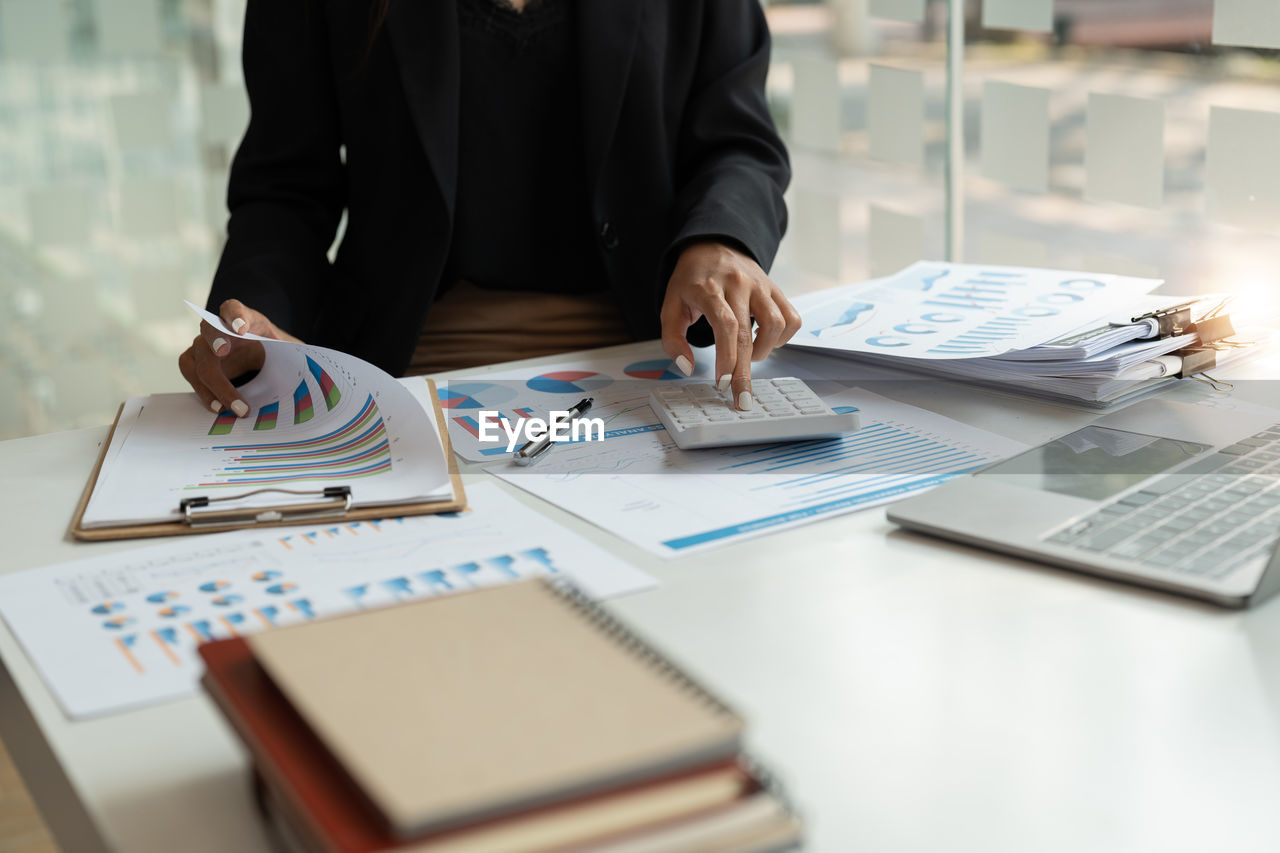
(536, 449)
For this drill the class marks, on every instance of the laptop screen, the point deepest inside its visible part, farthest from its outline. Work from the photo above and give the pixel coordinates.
(1094, 463)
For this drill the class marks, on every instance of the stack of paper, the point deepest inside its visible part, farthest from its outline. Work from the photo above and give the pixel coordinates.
(1060, 335)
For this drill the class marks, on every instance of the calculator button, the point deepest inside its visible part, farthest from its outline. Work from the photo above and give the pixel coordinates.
(699, 416)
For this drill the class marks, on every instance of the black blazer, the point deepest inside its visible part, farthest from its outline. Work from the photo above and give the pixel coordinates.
(679, 144)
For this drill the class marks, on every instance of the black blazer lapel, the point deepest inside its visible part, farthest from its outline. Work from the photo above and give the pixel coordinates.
(607, 32)
(424, 36)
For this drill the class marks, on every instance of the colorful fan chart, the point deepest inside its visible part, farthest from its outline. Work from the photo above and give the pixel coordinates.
(662, 368)
(475, 395)
(359, 448)
(569, 382)
(328, 390)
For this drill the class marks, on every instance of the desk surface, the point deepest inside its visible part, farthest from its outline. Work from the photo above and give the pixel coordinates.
(912, 695)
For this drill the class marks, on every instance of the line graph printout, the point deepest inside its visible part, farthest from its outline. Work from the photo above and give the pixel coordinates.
(937, 310)
(317, 418)
(671, 502)
(120, 631)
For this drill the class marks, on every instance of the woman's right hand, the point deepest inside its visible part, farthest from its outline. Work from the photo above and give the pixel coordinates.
(213, 359)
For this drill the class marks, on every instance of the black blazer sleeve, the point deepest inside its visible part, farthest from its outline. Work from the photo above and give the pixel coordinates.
(287, 191)
(731, 167)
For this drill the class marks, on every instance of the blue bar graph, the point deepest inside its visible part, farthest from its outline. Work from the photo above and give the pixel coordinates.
(876, 463)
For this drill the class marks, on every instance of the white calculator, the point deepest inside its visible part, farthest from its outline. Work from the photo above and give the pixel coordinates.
(784, 410)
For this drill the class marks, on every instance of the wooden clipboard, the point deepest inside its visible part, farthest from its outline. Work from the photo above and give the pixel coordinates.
(180, 528)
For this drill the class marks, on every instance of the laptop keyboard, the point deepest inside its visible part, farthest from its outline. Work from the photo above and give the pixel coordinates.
(1211, 519)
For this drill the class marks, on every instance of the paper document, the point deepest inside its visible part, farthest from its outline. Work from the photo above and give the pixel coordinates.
(119, 631)
(619, 386)
(317, 418)
(935, 310)
(671, 502)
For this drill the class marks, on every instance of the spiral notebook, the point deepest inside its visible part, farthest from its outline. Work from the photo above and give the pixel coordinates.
(472, 706)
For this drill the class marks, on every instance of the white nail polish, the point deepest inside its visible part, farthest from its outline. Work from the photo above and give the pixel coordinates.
(240, 408)
(237, 324)
(215, 407)
(685, 366)
(723, 384)
(218, 343)
(744, 401)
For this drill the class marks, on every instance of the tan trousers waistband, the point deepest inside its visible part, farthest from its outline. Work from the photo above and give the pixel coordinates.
(470, 326)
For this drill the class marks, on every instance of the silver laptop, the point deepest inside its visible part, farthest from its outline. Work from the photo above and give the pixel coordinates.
(1174, 496)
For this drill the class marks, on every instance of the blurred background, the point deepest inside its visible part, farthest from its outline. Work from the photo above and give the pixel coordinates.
(1130, 136)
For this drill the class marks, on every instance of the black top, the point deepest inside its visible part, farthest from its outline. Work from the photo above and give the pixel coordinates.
(522, 219)
(679, 144)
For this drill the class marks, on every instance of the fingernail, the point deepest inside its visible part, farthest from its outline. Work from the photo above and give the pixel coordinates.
(723, 384)
(237, 324)
(215, 407)
(218, 344)
(241, 408)
(744, 401)
(686, 366)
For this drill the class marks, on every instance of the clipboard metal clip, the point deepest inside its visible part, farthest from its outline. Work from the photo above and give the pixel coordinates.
(335, 502)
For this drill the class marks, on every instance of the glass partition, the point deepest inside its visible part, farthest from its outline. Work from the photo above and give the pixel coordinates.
(1127, 136)
(1133, 136)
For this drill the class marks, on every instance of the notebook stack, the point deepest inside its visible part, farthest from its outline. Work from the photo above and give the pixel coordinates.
(514, 718)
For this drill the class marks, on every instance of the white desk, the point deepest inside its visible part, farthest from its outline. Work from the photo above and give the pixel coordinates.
(913, 696)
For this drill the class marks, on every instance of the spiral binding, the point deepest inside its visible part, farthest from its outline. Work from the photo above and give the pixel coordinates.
(571, 594)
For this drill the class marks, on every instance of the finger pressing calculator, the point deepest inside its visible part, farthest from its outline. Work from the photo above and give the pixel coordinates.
(699, 416)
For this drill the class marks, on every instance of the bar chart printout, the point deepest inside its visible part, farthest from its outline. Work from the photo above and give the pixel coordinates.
(317, 418)
(120, 630)
(935, 310)
(672, 502)
(357, 449)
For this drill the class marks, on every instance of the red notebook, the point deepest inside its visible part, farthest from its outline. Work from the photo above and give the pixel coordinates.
(325, 803)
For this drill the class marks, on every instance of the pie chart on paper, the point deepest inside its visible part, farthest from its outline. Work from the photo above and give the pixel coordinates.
(569, 382)
(474, 395)
(662, 368)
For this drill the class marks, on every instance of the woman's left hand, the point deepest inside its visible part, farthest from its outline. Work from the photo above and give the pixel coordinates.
(727, 287)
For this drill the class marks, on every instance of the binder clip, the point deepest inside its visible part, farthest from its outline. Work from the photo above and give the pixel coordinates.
(1169, 322)
(1173, 322)
(1196, 360)
(335, 501)
(1196, 364)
